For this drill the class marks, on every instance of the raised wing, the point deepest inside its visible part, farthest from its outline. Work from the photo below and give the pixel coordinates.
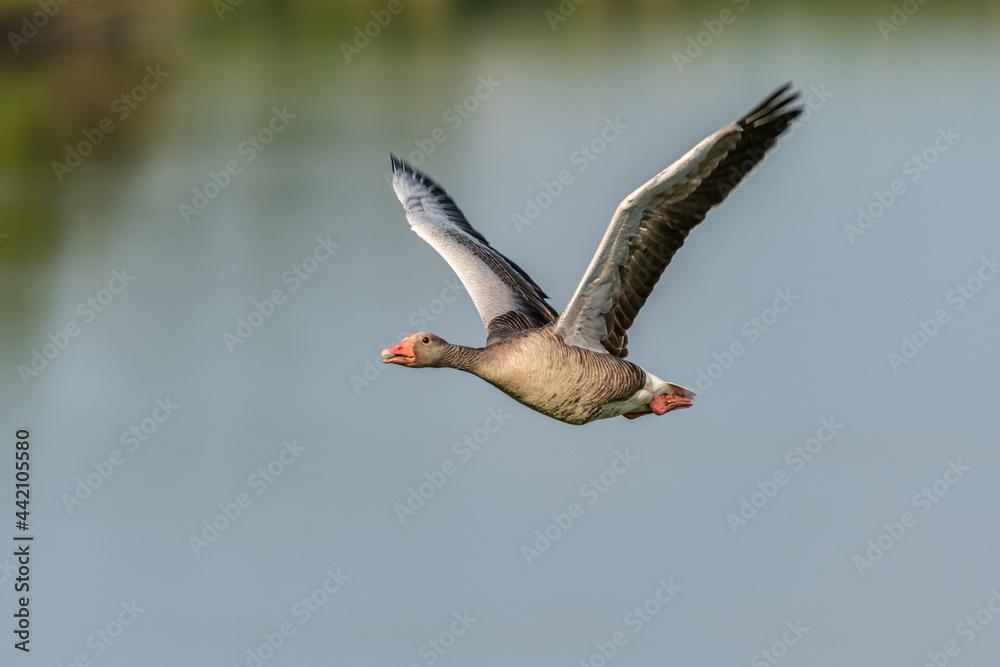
(652, 223)
(507, 299)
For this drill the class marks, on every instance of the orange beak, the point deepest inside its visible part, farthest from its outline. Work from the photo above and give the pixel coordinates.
(400, 354)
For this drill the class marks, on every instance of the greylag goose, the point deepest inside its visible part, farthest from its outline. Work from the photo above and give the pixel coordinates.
(571, 366)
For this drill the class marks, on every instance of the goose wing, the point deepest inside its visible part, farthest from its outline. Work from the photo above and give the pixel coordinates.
(652, 223)
(507, 299)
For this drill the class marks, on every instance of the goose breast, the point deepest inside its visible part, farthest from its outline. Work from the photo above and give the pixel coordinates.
(568, 383)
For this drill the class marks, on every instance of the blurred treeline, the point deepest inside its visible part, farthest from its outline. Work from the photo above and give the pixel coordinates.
(64, 62)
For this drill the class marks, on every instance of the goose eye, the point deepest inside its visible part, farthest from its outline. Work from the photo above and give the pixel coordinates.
(425, 340)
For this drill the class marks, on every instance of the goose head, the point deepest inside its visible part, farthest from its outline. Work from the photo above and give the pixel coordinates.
(417, 350)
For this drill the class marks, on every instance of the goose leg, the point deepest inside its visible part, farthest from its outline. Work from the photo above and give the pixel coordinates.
(661, 405)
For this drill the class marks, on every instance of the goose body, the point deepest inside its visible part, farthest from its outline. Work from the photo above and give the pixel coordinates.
(572, 384)
(571, 366)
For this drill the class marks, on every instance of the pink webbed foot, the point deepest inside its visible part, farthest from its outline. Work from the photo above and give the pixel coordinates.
(661, 405)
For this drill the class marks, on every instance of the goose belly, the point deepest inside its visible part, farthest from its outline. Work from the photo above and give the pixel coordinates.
(572, 385)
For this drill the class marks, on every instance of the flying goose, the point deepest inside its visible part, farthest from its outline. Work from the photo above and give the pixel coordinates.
(571, 366)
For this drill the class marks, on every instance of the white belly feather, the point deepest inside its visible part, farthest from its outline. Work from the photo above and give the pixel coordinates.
(639, 401)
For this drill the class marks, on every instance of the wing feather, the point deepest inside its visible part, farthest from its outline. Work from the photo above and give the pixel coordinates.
(650, 225)
(507, 299)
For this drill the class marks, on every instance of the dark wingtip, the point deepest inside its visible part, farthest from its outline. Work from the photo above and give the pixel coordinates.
(792, 96)
(401, 166)
(774, 108)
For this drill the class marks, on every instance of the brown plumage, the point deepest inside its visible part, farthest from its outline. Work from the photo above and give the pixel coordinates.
(536, 368)
(572, 367)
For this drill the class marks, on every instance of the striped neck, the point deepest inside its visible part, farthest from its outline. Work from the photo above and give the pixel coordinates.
(462, 358)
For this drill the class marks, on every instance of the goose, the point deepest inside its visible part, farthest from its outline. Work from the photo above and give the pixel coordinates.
(571, 366)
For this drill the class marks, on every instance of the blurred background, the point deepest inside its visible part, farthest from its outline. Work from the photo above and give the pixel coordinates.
(201, 257)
